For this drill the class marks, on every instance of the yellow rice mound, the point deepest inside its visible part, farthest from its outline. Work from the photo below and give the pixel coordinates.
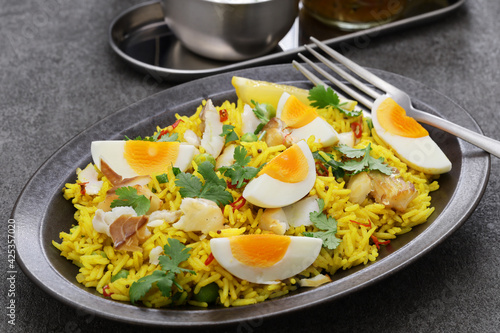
(93, 252)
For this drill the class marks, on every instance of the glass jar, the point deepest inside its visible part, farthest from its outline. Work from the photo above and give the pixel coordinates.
(353, 15)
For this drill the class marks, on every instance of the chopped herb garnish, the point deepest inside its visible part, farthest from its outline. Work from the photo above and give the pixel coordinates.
(164, 279)
(127, 196)
(229, 133)
(322, 97)
(361, 160)
(163, 178)
(213, 189)
(327, 159)
(158, 137)
(327, 224)
(239, 172)
(264, 112)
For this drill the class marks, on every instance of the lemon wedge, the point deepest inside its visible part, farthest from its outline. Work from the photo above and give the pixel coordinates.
(270, 93)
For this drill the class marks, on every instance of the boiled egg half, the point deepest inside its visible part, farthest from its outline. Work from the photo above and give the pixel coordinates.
(285, 179)
(407, 137)
(138, 158)
(265, 258)
(303, 121)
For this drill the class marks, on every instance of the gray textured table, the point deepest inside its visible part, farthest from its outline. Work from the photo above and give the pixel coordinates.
(58, 76)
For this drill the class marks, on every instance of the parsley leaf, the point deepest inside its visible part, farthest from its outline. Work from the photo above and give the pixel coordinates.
(213, 189)
(127, 196)
(264, 112)
(239, 172)
(175, 253)
(322, 97)
(367, 162)
(229, 133)
(326, 223)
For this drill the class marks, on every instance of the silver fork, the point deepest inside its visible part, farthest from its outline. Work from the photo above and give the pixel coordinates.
(490, 145)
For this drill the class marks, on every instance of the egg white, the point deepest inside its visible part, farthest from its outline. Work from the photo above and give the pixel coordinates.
(301, 253)
(265, 191)
(297, 214)
(112, 152)
(323, 132)
(422, 154)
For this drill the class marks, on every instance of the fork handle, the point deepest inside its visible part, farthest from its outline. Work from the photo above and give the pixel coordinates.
(488, 144)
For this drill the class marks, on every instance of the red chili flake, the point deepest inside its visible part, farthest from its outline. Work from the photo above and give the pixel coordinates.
(105, 291)
(169, 128)
(82, 188)
(162, 133)
(209, 259)
(369, 225)
(378, 243)
(223, 116)
(357, 128)
(230, 184)
(321, 170)
(174, 125)
(237, 204)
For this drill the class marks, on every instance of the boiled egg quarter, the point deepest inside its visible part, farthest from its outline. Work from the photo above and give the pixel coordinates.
(407, 137)
(284, 180)
(303, 121)
(265, 258)
(137, 158)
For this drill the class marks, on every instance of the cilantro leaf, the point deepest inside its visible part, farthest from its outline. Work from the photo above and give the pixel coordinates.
(163, 178)
(239, 172)
(175, 253)
(229, 133)
(127, 196)
(322, 97)
(190, 185)
(213, 189)
(166, 137)
(263, 112)
(240, 156)
(336, 167)
(139, 288)
(327, 224)
(206, 169)
(158, 137)
(361, 160)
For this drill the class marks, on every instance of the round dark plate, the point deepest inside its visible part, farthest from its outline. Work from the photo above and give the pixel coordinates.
(41, 211)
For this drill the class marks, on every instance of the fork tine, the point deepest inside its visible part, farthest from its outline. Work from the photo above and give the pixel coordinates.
(354, 94)
(354, 81)
(363, 73)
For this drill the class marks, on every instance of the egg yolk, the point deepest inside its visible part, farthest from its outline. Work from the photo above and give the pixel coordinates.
(392, 117)
(290, 166)
(296, 114)
(146, 157)
(263, 250)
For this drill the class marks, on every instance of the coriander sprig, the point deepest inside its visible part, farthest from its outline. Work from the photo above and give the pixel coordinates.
(164, 279)
(327, 226)
(322, 97)
(214, 188)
